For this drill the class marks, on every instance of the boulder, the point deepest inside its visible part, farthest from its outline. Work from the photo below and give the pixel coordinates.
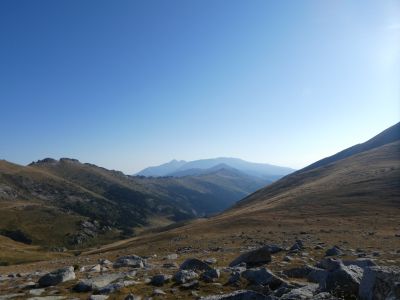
(133, 297)
(111, 288)
(132, 261)
(334, 251)
(273, 248)
(210, 275)
(158, 292)
(302, 293)
(380, 283)
(98, 297)
(317, 275)
(190, 285)
(343, 281)
(172, 256)
(329, 264)
(159, 280)
(297, 246)
(95, 268)
(105, 262)
(96, 283)
(57, 277)
(183, 276)
(195, 265)
(210, 261)
(238, 295)
(299, 272)
(234, 279)
(37, 292)
(324, 296)
(360, 262)
(172, 265)
(254, 258)
(263, 276)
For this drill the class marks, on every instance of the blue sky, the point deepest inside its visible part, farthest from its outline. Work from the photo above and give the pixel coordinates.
(127, 84)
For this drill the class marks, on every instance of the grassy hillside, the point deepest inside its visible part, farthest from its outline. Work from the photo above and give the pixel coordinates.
(69, 204)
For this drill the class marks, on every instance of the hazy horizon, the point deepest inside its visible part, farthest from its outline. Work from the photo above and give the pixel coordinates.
(129, 85)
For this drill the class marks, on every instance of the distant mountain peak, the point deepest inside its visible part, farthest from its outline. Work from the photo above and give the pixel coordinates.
(181, 168)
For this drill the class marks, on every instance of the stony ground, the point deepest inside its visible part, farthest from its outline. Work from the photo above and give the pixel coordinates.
(293, 272)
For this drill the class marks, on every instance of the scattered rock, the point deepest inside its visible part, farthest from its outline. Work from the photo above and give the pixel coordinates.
(190, 285)
(133, 297)
(288, 258)
(98, 297)
(37, 292)
(317, 275)
(210, 261)
(158, 292)
(159, 280)
(105, 262)
(111, 288)
(305, 292)
(237, 295)
(253, 258)
(324, 296)
(234, 279)
(343, 281)
(334, 251)
(172, 256)
(96, 283)
(298, 272)
(184, 276)
(132, 261)
(173, 265)
(297, 246)
(211, 275)
(360, 262)
(263, 276)
(329, 264)
(195, 265)
(95, 268)
(57, 277)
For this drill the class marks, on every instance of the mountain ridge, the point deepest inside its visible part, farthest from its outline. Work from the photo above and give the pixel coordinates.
(176, 168)
(113, 203)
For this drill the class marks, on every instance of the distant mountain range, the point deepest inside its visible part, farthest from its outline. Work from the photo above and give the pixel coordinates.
(181, 168)
(68, 203)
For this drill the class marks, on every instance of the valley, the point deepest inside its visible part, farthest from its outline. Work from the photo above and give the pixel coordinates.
(331, 230)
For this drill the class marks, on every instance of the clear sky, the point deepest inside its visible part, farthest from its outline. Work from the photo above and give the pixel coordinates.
(127, 84)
